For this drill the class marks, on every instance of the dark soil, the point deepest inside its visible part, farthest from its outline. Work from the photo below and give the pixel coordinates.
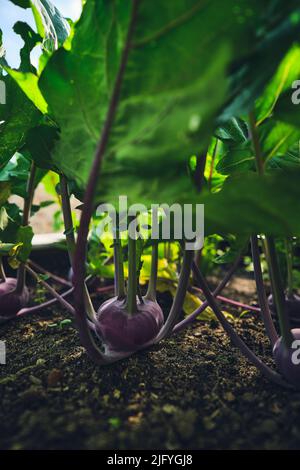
(192, 391)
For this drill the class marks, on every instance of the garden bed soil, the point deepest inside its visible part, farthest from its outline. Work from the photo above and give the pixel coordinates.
(192, 391)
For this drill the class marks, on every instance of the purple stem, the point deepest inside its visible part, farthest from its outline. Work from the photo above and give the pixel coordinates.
(56, 278)
(80, 253)
(237, 341)
(262, 298)
(49, 303)
(225, 300)
(52, 291)
(104, 290)
(205, 304)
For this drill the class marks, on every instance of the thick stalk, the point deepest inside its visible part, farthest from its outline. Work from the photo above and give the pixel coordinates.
(237, 341)
(151, 291)
(70, 239)
(2, 272)
(289, 263)
(262, 298)
(278, 292)
(26, 215)
(131, 303)
(179, 296)
(118, 262)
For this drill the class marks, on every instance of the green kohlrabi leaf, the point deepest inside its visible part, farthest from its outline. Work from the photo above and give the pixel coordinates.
(28, 83)
(51, 25)
(250, 75)
(174, 83)
(16, 172)
(40, 142)
(17, 116)
(255, 204)
(287, 72)
(53, 30)
(8, 234)
(276, 141)
(277, 138)
(237, 153)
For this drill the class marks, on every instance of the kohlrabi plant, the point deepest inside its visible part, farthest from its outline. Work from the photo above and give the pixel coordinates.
(163, 103)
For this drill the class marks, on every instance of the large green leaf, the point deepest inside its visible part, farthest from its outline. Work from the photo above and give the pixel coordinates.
(28, 83)
(277, 116)
(251, 74)
(255, 204)
(17, 116)
(173, 84)
(16, 174)
(40, 143)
